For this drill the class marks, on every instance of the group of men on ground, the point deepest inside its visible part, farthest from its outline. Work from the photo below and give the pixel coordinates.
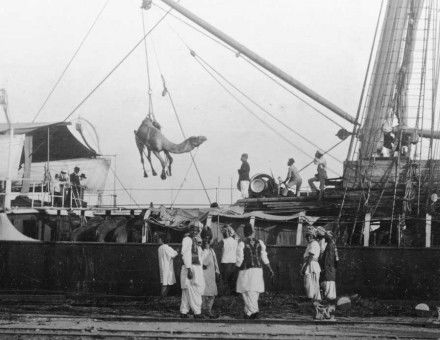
(293, 179)
(319, 271)
(242, 262)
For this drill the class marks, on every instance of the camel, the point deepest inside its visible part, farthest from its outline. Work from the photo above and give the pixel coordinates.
(107, 227)
(87, 233)
(149, 136)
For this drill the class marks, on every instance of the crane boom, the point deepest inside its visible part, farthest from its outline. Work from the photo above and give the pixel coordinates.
(264, 63)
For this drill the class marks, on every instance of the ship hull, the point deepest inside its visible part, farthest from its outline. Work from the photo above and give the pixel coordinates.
(132, 269)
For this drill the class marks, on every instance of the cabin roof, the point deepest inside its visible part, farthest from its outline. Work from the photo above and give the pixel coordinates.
(26, 128)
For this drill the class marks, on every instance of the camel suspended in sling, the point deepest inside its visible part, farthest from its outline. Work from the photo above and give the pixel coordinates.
(149, 136)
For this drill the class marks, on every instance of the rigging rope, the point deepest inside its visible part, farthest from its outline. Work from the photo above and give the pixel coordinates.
(202, 63)
(261, 107)
(119, 63)
(325, 152)
(168, 93)
(123, 187)
(70, 62)
(359, 114)
(250, 62)
(184, 180)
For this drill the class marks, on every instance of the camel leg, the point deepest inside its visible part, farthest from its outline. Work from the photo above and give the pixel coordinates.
(170, 161)
(163, 163)
(151, 164)
(140, 147)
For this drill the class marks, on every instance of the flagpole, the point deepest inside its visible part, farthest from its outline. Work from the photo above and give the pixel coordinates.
(8, 189)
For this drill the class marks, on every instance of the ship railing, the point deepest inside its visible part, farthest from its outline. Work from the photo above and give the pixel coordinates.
(43, 194)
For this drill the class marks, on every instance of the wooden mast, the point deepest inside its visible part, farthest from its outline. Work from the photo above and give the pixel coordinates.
(264, 63)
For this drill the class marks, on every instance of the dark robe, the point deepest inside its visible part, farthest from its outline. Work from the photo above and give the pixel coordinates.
(328, 262)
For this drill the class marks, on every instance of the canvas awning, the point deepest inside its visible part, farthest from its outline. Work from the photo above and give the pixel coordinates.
(50, 140)
(16, 151)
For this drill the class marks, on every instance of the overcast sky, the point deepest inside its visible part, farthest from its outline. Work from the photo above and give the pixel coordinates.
(323, 43)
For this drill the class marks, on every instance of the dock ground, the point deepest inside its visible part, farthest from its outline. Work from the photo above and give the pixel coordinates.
(282, 317)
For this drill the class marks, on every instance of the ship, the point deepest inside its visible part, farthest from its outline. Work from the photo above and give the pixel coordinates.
(387, 194)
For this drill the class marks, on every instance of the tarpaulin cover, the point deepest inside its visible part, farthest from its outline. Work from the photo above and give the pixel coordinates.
(9, 233)
(16, 150)
(179, 218)
(258, 215)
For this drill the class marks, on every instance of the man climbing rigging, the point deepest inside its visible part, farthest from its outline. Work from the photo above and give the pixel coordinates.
(243, 176)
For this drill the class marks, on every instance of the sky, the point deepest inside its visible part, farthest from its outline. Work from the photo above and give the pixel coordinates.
(325, 44)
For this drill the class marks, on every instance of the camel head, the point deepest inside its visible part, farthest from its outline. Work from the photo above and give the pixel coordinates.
(196, 141)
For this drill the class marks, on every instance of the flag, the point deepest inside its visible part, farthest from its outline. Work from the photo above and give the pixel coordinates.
(4, 100)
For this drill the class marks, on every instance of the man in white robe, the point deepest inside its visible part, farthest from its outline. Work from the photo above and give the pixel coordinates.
(166, 255)
(192, 281)
(251, 254)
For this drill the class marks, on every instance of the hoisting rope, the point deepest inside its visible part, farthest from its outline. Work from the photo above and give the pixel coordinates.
(253, 64)
(70, 62)
(150, 91)
(166, 92)
(119, 63)
(213, 73)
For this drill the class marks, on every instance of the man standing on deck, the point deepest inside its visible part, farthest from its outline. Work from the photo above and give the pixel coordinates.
(243, 176)
(321, 175)
(75, 184)
(192, 281)
(251, 254)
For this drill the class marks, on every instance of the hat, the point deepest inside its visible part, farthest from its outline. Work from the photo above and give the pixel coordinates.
(206, 232)
(83, 176)
(320, 152)
(63, 171)
(76, 168)
(310, 231)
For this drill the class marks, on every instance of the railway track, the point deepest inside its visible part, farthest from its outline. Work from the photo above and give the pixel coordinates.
(54, 326)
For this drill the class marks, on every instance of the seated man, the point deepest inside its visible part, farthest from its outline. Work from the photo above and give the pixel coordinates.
(321, 175)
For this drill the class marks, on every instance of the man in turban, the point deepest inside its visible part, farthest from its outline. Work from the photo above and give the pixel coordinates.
(192, 281)
(251, 255)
